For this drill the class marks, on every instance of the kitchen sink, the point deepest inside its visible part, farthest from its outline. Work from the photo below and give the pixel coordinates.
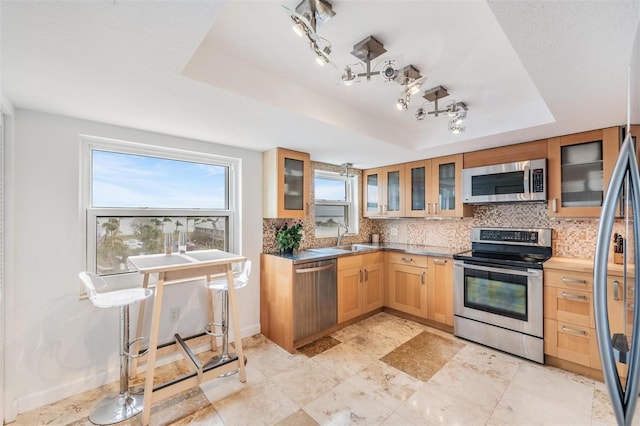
(356, 247)
(342, 249)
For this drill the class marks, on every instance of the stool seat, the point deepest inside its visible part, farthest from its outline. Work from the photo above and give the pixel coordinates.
(118, 298)
(124, 405)
(240, 278)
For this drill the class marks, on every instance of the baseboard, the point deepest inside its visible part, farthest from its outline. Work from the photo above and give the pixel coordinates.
(75, 387)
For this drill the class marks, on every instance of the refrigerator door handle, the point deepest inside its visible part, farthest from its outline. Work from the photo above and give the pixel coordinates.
(623, 399)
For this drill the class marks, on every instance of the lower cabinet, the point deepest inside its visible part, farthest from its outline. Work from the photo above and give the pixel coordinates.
(407, 283)
(360, 285)
(440, 290)
(569, 323)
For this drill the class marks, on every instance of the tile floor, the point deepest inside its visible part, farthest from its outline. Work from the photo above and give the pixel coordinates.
(381, 371)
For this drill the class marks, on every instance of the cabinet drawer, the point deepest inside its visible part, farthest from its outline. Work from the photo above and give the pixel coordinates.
(571, 306)
(348, 262)
(569, 279)
(373, 258)
(407, 259)
(578, 344)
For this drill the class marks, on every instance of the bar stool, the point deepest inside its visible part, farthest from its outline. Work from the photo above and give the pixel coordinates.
(124, 405)
(240, 279)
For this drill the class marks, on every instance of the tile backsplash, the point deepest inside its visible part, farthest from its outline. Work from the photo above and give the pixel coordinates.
(570, 237)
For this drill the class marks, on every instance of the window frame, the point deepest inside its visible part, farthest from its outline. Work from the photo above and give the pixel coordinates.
(90, 214)
(351, 202)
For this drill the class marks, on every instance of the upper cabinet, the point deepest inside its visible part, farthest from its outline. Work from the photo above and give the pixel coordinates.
(286, 183)
(433, 188)
(383, 191)
(580, 166)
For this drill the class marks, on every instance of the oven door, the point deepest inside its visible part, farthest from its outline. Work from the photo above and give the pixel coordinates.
(503, 296)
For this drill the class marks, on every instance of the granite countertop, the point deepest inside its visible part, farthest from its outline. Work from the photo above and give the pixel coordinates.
(325, 253)
(585, 265)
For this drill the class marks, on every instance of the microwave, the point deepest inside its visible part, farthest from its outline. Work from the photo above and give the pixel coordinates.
(505, 183)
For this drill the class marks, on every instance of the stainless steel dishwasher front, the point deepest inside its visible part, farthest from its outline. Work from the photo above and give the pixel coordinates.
(314, 297)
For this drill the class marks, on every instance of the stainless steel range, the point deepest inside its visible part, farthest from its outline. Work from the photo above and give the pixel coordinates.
(498, 292)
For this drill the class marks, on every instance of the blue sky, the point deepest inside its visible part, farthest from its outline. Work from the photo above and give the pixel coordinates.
(126, 180)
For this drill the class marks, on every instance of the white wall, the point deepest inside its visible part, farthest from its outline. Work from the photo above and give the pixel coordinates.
(57, 344)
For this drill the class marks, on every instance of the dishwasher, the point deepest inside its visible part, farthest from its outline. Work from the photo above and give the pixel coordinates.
(314, 297)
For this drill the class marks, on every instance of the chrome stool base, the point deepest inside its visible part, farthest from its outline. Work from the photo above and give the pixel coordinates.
(224, 358)
(116, 408)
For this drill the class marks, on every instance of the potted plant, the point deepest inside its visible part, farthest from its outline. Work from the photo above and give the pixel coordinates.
(289, 236)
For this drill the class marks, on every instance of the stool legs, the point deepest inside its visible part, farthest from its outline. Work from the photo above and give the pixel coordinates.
(224, 356)
(123, 406)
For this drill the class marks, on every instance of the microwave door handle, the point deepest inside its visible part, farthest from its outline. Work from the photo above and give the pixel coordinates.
(527, 179)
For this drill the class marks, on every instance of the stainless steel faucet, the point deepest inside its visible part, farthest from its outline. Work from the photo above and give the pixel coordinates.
(340, 236)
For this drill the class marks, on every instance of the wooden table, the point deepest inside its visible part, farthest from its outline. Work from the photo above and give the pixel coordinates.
(193, 264)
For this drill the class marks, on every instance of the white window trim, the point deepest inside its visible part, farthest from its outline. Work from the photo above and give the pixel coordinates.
(351, 198)
(90, 214)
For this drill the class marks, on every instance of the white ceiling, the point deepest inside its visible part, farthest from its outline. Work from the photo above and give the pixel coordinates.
(234, 72)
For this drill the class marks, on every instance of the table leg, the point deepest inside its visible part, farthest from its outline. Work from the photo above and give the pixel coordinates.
(136, 346)
(236, 324)
(153, 348)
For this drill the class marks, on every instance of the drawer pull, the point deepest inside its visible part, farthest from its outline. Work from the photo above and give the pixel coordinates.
(573, 330)
(360, 275)
(422, 278)
(407, 259)
(440, 261)
(573, 296)
(366, 275)
(573, 281)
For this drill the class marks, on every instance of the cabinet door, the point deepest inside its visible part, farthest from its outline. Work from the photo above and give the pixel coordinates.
(373, 287)
(407, 289)
(371, 192)
(440, 290)
(286, 183)
(350, 301)
(417, 179)
(579, 168)
(446, 187)
(393, 191)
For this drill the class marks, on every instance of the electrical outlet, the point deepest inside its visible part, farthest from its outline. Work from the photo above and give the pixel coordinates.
(174, 314)
(393, 231)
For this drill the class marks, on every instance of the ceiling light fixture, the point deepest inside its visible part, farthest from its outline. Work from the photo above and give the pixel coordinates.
(306, 17)
(411, 79)
(456, 111)
(367, 50)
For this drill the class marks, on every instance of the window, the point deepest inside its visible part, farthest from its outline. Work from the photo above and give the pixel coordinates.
(137, 194)
(336, 203)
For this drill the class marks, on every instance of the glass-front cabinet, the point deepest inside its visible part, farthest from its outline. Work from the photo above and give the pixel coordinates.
(433, 188)
(579, 169)
(417, 182)
(286, 183)
(384, 191)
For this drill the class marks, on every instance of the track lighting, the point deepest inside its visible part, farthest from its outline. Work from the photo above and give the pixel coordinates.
(308, 15)
(456, 111)
(349, 76)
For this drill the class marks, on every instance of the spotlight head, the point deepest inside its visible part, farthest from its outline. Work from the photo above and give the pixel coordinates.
(455, 128)
(298, 26)
(402, 104)
(348, 76)
(421, 114)
(389, 70)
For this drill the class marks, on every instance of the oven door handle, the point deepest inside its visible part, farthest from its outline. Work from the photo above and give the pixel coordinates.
(527, 273)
